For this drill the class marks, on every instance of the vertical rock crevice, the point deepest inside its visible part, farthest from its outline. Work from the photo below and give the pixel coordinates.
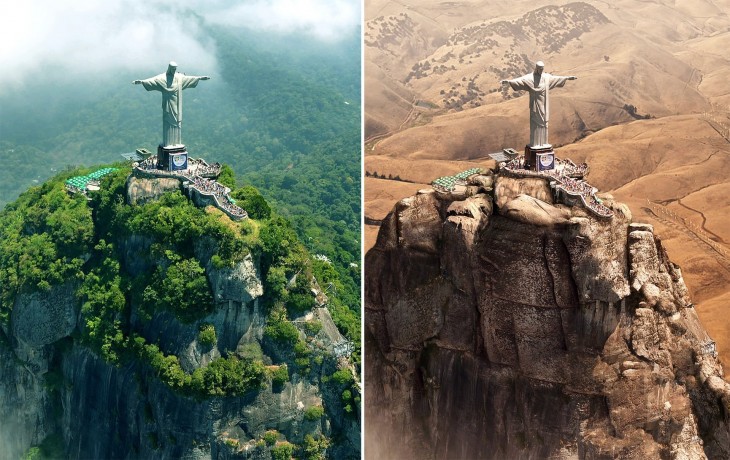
(586, 344)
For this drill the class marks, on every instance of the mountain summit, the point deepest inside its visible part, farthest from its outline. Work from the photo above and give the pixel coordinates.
(502, 323)
(138, 323)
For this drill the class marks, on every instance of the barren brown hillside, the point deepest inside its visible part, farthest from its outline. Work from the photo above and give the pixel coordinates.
(662, 60)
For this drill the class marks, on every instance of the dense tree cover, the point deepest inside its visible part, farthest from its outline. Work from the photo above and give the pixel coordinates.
(227, 176)
(81, 240)
(250, 199)
(44, 236)
(180, 287)
(105, 329)
(104, 303)
(287, 127)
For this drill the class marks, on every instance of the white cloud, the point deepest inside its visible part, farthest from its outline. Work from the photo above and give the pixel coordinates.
(80, 37)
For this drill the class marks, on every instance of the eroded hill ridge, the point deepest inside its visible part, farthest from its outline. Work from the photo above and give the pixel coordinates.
(502, 324)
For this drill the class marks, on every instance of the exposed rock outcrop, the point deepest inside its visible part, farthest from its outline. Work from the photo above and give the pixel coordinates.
(42, 318)
(142, 189)
(527, 329)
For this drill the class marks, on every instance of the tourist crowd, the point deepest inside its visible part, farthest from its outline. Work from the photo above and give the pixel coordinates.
(564, 175)
(196, 169)
(204, 169)
(208, 186)
(225, 203)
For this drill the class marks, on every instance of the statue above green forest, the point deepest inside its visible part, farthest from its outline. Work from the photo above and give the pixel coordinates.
(171, 84)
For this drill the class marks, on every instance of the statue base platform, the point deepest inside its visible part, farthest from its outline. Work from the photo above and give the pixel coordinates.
(539, 158)
(172, 158)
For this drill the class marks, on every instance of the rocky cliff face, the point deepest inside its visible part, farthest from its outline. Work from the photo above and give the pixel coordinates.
(501, 325)
(140, 189)
(53, 387)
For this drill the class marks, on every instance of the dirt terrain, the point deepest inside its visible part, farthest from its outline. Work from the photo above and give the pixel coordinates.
(648, 73)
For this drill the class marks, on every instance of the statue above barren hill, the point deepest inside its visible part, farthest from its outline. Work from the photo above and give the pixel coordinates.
(538, 85)
(171, 84)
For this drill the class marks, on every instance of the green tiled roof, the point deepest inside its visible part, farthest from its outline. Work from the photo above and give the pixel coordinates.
(81, 181)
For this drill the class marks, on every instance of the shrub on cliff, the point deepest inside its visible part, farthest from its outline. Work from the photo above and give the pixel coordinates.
(315, 448)
(270, 437)
(279, 377)
(181, 288)
(229, 376)
(344, 300)
(250, 199)
(281, 330)
(314, 413)
(282, 451)
(206, 335)
(350, 396)
(44, 236)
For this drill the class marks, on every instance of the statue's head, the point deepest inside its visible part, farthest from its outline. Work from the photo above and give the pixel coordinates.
(539, 67)
(172, 67)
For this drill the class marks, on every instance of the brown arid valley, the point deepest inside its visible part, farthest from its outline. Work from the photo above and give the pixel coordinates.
(648, 113)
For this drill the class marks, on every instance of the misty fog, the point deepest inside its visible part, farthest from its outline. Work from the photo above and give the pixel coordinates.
(67, 96)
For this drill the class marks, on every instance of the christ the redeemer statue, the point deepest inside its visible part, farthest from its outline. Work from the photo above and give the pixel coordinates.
(171, 84)
(538, 84)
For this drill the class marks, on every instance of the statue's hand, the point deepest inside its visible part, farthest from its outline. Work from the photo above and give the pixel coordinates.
(137, 82)
(572, 77)
(205, 78)
(504, 82)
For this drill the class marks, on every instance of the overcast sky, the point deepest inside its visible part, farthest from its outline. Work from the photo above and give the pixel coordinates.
(82, 36)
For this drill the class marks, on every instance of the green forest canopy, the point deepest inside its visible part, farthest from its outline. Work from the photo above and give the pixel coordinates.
(49, 237)
(286, 126)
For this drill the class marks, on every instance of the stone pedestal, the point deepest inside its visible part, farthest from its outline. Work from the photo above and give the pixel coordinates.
(540, 158)
(172, 158)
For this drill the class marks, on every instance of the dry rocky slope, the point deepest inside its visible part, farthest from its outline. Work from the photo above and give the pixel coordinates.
(503, 325)
(658, 57)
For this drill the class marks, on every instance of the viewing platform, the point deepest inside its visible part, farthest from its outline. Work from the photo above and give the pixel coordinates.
(447, 183)
(566, 180)
(87, 183)
(199, 182)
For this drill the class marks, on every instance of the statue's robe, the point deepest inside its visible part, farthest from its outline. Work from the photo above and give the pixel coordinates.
(539, 102)
(171, 88)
